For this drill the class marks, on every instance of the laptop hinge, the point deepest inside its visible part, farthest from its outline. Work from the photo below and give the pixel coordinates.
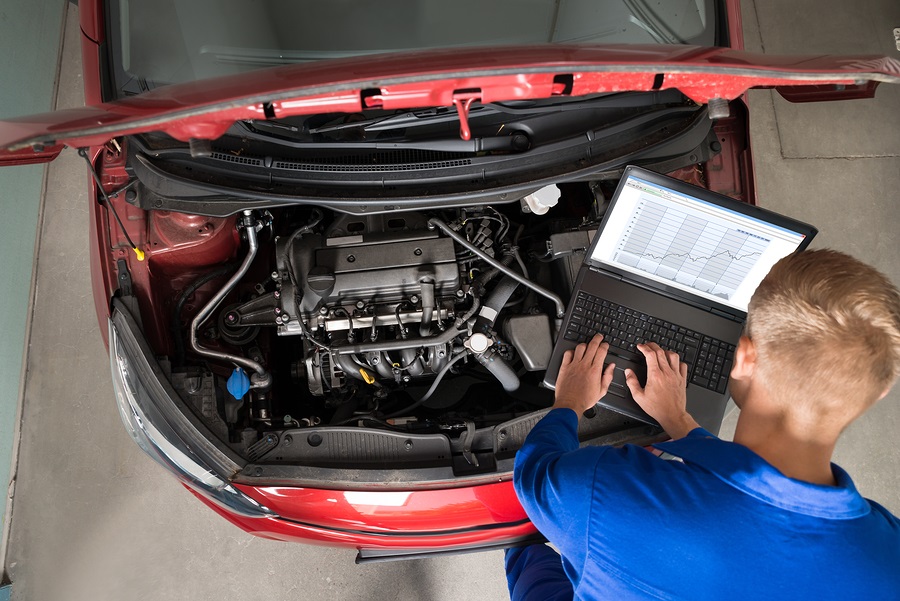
(725, 314)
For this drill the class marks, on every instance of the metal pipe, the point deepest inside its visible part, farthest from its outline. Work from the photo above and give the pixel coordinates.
(560, 307)
(204, 313)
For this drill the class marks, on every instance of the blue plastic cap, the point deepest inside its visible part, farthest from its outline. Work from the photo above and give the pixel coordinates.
(238, 383)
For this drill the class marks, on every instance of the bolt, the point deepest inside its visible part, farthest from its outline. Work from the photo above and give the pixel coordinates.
(277, 310)
(276, 294)
(285, 317)
(274, 275)
(460, 293)
(279, 320)
(408, 445)
(414, 299)
(351, 258)
(231, 318)
(418, 252)
(406, 378)
(360, 304)
(270, 439)
(288, 440)
(502, 434)
(323, 311)
(257, 471)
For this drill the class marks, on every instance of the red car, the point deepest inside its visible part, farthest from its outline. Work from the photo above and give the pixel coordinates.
(331, 241)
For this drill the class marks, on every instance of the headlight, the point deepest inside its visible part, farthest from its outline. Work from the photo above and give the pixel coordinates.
(151, 416)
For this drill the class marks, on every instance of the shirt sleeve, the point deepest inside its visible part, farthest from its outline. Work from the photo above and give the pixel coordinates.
(553, 479)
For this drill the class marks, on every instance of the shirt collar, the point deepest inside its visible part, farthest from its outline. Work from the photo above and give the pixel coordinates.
(743, 469)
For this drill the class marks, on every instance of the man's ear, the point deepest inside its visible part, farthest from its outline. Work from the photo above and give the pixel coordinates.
(744, 360)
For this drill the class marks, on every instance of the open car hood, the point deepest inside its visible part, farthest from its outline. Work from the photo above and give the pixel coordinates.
(206, 109)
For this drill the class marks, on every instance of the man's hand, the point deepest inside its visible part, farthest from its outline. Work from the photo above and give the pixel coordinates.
(582, 381)
(664, 398)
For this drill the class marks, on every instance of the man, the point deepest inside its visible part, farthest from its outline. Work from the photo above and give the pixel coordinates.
(765, 517)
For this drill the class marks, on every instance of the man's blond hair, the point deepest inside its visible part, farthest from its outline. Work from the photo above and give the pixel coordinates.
(826, 328)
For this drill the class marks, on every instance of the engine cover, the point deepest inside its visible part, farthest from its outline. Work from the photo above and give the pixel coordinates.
(374, 269)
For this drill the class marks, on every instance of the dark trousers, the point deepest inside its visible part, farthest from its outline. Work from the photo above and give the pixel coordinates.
(535, 573)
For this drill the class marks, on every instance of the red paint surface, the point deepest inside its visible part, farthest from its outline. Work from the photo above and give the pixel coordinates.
(394, 511)
(429, 519)
(206, 109)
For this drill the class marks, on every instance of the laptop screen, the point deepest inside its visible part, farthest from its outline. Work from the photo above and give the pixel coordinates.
(690, 244)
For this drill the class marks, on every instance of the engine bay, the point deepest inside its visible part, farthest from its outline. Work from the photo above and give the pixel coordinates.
(322, 315)
(396, 331)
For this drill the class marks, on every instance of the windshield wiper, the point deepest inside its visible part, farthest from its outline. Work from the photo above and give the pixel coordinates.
(409, 119)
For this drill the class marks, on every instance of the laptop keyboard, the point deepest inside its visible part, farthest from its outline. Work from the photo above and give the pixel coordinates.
(709, 360)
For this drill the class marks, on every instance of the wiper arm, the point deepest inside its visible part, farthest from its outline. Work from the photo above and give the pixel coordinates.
(408, 119)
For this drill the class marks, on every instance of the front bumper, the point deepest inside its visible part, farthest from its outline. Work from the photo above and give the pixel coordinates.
(405, 522)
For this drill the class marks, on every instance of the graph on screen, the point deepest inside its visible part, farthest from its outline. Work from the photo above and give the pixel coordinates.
(685, 247)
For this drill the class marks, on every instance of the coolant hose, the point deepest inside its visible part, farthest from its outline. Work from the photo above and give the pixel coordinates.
(500, 369)
(496, 301)
(206, 311)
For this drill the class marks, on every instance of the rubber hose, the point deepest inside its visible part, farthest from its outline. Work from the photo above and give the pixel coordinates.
(501, 370)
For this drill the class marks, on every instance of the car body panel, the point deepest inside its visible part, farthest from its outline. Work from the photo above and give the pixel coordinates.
(275, 528)
(431, 511)
(206, 109)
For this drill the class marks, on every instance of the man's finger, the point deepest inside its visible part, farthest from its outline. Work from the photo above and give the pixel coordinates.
(593, 344)
(578, 351)
(650, 356)
(600, 354)
(683, 368)
(661, 356)
(673, 359)
(607, 377)
(634, 385)
(567, 357)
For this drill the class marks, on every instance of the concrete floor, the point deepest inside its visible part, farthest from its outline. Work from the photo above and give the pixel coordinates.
(94, 519)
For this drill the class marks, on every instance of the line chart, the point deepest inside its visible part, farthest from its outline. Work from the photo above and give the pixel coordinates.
(686, 247)
(731, 256)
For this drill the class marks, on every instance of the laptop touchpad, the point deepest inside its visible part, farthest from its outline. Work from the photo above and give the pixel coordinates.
(618, 386)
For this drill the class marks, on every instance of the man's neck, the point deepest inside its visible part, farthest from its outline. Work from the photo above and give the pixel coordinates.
(793, 453)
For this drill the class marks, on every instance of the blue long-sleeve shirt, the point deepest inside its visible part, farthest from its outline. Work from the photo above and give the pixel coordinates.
(720, 524)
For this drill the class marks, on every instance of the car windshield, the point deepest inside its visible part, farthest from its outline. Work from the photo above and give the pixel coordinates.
(159, 42)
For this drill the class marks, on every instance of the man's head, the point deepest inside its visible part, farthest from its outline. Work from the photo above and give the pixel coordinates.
(824, 338)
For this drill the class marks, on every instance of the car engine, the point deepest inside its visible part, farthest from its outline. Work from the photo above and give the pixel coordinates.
(361, 318)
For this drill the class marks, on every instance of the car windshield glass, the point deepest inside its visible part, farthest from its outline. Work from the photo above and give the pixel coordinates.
(159, 42)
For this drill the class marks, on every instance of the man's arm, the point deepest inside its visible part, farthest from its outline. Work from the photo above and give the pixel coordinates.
(554, 483)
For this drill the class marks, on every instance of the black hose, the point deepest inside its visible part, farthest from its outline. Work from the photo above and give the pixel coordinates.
(182, 299)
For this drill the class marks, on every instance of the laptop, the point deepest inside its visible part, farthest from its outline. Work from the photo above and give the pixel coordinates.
(674, 264)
